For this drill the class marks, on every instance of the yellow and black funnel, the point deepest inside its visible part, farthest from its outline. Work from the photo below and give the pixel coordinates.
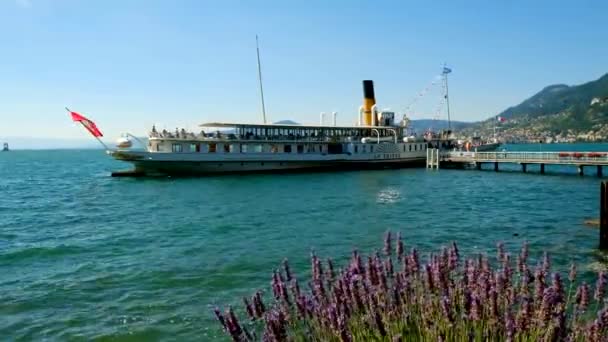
(369, 100)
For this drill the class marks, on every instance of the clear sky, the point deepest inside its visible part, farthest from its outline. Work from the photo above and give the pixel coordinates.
(129, 64)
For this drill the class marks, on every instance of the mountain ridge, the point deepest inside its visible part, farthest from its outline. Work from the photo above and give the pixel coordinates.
(557, 112)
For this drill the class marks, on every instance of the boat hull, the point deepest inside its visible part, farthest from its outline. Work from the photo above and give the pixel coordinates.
(148, 167)
(487, 147)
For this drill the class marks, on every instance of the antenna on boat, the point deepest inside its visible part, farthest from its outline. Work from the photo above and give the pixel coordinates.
(257, 46)
(445, 73)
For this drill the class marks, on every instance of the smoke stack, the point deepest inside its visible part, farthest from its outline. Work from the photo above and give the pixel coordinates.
(369, 100)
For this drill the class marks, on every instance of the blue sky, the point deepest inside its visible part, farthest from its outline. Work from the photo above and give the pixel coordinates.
(129, 64)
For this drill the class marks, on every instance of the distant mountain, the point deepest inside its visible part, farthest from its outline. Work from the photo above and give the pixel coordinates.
(559, 109)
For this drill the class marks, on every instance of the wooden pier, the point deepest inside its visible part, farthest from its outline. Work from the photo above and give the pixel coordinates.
(477, 159)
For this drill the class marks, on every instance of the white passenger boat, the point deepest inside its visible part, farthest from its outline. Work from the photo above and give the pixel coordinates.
(377, 141)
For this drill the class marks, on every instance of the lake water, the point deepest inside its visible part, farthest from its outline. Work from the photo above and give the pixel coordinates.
(86, 256)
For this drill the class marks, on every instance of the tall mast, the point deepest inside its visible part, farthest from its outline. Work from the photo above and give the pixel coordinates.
(257, 46)
(445, 73)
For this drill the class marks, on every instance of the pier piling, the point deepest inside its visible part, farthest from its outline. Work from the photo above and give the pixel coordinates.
(580, 170)
(604, 215)
(523, 167)
(496, 166)
(542, 169)
(599, 171)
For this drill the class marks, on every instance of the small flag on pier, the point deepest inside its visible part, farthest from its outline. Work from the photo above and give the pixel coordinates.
(88, 124)
(501, 119)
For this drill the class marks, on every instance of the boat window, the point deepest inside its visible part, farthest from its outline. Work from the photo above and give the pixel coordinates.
(371, 148)
(364, 148)
(300, 148)
(226, 148)
(356, 149)
(176, 148)
(157, 147)
(235, 148)
(287, 148)
(256, 149)
(195, 147)
(415, 147)
(410, 148)
(274, 148)
(212, 148)
(243, 148)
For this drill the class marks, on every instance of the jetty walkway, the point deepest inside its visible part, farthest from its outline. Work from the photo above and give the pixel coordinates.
(461, 159)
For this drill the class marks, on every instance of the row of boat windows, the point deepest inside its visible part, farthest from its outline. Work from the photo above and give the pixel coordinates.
(246, 148)
(249, 148)
(406, 148)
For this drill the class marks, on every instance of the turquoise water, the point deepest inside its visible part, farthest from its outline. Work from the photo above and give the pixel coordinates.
(86, 256)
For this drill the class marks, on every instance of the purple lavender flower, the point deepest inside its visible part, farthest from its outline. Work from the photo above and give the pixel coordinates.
(234, 328)
(287, 270)
(523, 257)
(258, 304)
(436, 296)
(600, 287)
(388, 243)
(557, 286)
(453, 257)
(399, 248)
(524, 315)
(276, 281)
(330, 270)
(475, 313)
(414, 261)
(500, 251)
(548, 302)
(546, 266)
(249, 308)
(388, 266)
(582, 297)
(220, 317)
(429, 277)
(539, 284)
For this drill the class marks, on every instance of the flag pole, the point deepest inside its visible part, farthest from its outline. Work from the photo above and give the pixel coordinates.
(257, 47)
(101, 142)
(447, 96)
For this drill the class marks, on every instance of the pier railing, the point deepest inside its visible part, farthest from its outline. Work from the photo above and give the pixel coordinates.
(588, 158)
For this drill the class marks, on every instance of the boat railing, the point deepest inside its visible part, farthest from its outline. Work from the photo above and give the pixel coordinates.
(256, 138)
(530, 156)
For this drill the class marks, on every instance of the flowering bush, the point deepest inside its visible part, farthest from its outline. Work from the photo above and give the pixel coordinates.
(395, 297)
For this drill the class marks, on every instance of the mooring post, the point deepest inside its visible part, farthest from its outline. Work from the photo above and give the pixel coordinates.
(523, 167)
(495, 166)
(604, 215)
(542, 169)
(599, 171)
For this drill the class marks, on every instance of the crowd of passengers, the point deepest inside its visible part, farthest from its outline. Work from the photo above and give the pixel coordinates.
(183, 134)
